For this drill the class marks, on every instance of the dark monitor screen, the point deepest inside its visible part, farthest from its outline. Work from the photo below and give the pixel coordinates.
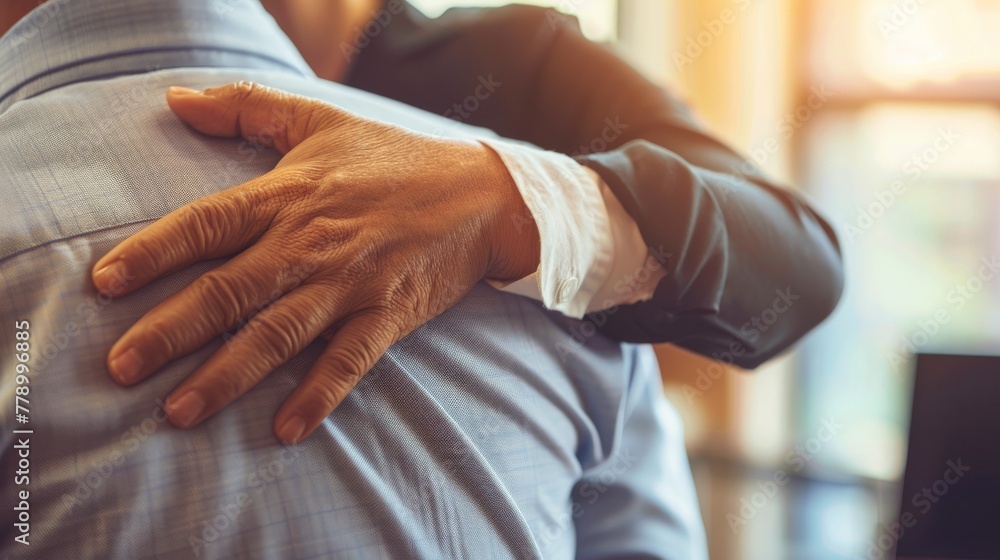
(950, 501)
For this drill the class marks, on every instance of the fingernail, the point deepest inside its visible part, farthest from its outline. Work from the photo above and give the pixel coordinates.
(291, 430)
(127, 366)
(178, 91)
(185, 409)
(106, 278)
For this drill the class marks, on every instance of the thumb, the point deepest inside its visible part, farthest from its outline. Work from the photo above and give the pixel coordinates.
(257, 113)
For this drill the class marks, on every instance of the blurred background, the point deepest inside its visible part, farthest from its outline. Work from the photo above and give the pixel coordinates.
(887, 113)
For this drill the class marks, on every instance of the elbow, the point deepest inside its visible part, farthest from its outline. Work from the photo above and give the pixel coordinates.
(817, 287)
(830, 290)
(824, 285)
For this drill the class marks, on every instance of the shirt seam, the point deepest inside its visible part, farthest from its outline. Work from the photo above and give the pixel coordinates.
(77, 64)
(20, 252)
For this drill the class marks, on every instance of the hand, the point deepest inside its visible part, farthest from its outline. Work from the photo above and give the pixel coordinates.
(362, 233)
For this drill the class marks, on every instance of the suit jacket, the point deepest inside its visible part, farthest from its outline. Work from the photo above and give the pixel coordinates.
(751, 267)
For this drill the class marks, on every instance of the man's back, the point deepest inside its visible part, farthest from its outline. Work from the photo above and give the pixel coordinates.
(472, 438)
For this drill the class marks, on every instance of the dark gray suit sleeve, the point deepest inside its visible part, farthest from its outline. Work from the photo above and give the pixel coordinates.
(751, 267)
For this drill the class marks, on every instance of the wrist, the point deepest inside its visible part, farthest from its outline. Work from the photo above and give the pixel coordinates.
(512, 235)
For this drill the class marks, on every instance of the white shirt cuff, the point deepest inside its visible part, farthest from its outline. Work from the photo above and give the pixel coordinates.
(636, 270)
(593, 256)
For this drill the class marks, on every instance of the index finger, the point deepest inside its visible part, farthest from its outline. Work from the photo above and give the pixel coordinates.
(214, 226)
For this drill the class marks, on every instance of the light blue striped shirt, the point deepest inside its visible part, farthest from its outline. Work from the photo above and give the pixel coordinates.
(498, 430)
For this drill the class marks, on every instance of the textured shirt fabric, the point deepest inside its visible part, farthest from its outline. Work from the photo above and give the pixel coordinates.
(498, 430)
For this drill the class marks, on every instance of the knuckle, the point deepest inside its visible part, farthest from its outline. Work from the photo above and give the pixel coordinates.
(324, 241)
(311, 262)
(243, 90)
(230, 384)
(394, 318)
(338, 382)
(162, 338)
(294, 185)
(324, 233)
(407, 302)
(348, 363)
(142, 253)
(298, 272)
(204, 223)
(279, 340)
(282, 192)
(297, 178)
(329, 393)
(249, 101)
(309, 116)
(367, 255)
(222, 295)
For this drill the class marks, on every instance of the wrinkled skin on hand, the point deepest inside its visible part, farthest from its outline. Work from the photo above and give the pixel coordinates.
(362, 233)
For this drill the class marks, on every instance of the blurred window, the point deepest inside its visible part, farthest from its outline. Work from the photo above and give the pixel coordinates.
(905, 160)
(916, 47)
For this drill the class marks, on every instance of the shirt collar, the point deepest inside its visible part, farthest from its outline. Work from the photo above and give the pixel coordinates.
(62, 42)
